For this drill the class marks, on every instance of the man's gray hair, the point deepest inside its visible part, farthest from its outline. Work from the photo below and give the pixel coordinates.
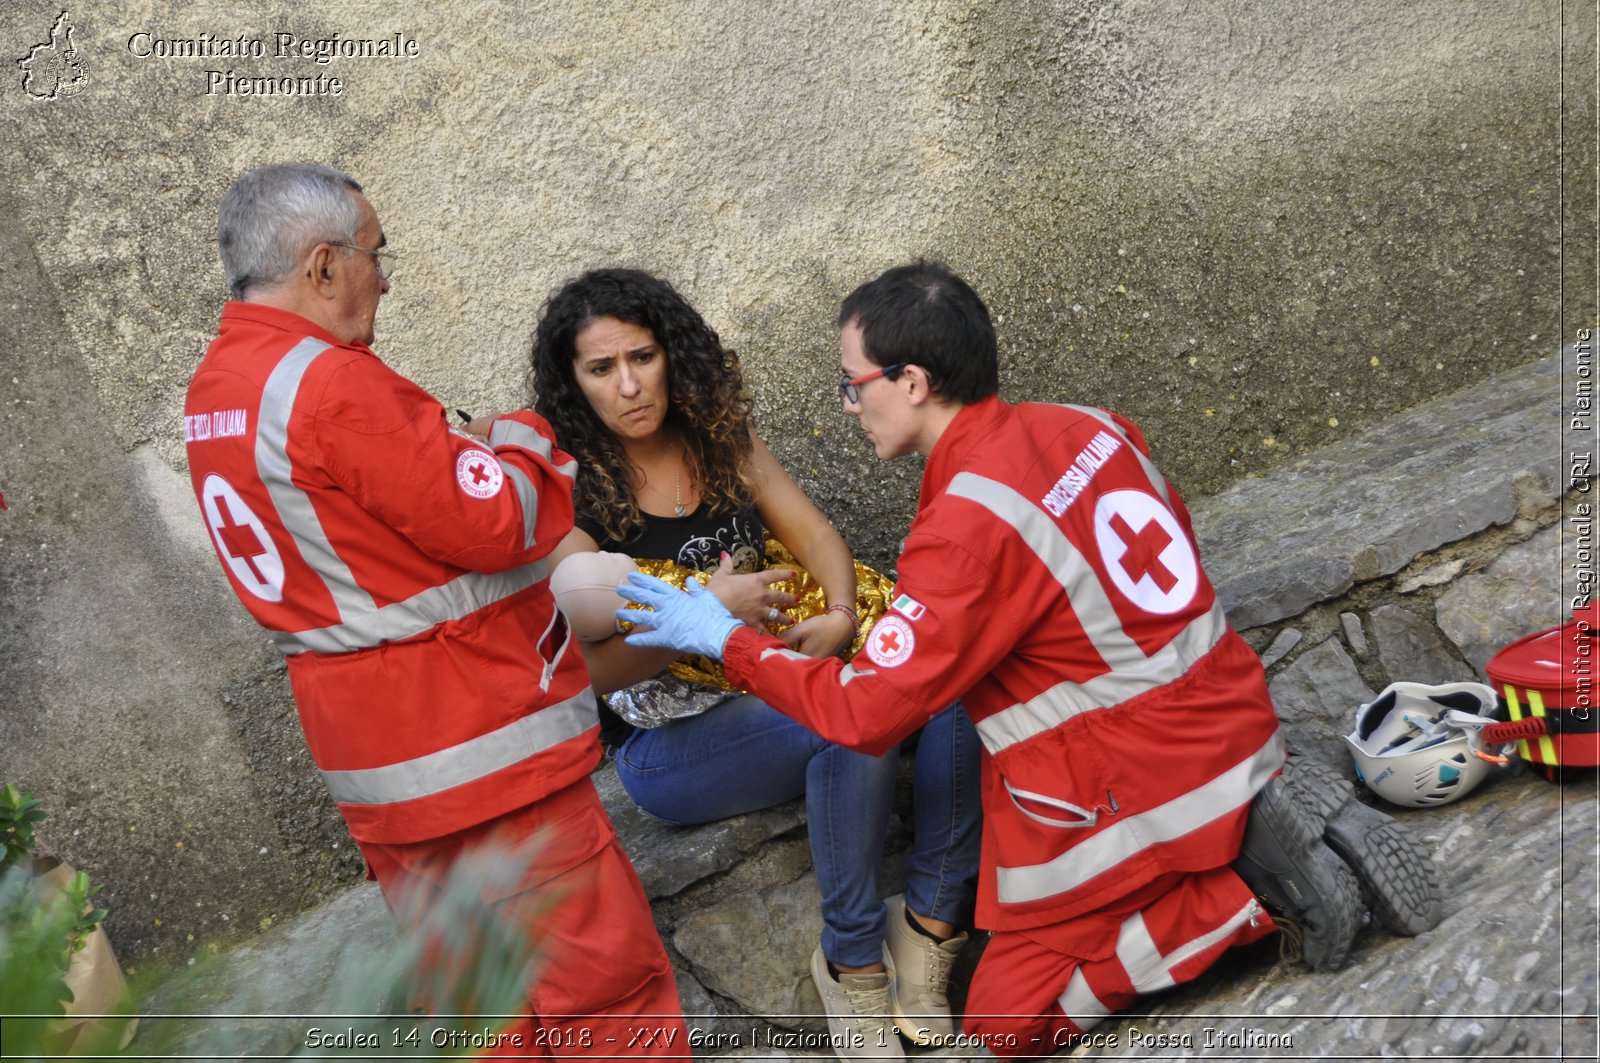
(274, 214)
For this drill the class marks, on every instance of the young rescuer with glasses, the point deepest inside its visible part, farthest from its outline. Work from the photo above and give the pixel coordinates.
(1135, 817)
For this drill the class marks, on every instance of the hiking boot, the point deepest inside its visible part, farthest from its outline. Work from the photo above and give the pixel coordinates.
(1398, 879)
(858, 1012)
(1283, 859)
(919, 975)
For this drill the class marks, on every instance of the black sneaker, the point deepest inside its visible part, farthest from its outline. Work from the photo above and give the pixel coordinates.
(1399, 881)
(1284, 860)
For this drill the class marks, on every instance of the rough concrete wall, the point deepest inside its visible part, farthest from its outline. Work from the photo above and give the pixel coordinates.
(113, 650)
(1253, 226)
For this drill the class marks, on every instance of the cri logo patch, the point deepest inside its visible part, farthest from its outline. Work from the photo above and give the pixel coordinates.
(891, 642)
(479, 473)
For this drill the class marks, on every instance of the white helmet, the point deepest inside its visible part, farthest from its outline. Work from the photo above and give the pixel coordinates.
(1419, 745)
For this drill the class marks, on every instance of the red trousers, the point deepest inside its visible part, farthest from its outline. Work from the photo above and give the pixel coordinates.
(604, 985)
(1037, 990)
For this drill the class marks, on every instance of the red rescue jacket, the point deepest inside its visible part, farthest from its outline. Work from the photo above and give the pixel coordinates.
(1051, 580)
(397, 563)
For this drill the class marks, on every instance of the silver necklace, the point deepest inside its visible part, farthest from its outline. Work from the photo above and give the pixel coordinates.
(677, 490)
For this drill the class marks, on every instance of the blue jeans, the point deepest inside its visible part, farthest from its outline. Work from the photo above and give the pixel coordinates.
(744, 755)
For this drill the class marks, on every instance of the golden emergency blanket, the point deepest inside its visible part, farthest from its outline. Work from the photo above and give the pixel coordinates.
(873, 591)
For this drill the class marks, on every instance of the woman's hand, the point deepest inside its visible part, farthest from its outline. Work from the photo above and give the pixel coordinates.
(827, 635)
(750, 596)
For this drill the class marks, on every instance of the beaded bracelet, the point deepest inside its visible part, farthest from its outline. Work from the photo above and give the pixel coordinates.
(840, 607)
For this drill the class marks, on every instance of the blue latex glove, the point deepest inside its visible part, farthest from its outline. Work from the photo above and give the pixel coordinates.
(693, 622)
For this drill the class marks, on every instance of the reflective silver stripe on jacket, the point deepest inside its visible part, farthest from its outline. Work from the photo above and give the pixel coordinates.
(506, 432)
(465, 594)
(1152, 473)
(850, 673)
(1130, 835)
(362, 622)
(293, 504)
(469, 761)
(528, 495)
(846, 674)
(1147, 969)
(1065, 700)
(786, 653)
(1063, 560)
(1131, 671)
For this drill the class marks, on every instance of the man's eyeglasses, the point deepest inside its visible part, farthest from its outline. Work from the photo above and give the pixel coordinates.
(385, 261)
(848, 387)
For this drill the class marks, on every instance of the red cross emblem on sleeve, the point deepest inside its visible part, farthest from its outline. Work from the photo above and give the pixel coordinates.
(891, 642)
(479, 474)
(1146, 554)
(242, 540)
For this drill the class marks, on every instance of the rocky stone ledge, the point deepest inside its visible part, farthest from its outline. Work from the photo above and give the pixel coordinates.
(1367, 507)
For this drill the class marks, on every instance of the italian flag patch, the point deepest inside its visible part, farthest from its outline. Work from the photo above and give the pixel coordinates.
(908, 607)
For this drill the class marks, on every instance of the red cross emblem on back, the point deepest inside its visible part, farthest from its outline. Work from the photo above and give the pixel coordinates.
(240, 540)
(1146, 553)
(1143, 556)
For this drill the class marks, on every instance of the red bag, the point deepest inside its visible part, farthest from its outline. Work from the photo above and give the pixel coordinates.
(1547, 689)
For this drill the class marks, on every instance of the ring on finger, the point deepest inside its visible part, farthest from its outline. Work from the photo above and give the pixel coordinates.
(772, 614)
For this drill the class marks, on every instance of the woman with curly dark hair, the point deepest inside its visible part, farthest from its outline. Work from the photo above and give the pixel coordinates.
(641, 391)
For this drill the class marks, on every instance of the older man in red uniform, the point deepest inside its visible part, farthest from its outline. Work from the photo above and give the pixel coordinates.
(398, 563)
(1051, 580)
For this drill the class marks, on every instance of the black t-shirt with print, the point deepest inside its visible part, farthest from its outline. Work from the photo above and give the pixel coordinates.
(696, 540)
